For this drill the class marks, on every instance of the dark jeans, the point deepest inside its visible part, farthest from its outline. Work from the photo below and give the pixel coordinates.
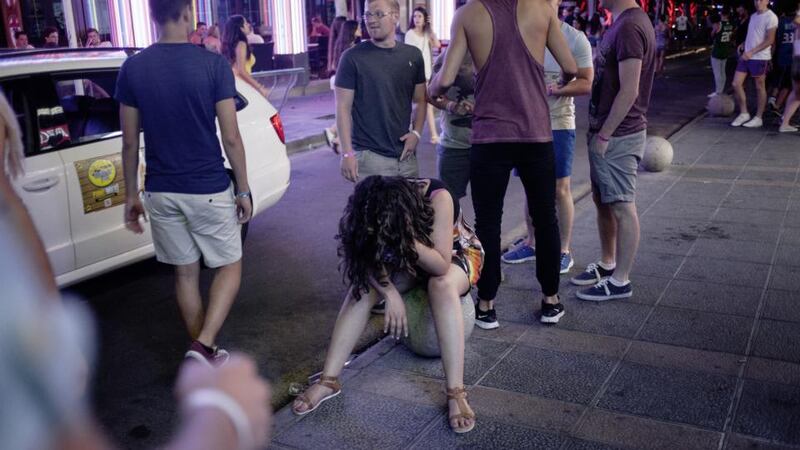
(490, 167)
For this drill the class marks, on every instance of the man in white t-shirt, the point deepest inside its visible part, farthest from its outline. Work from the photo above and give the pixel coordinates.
(562, 121)
(753, 61)
(682, 29)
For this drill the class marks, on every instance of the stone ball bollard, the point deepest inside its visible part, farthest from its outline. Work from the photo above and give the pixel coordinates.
(657, 154)
(720, 105)
(422, 338)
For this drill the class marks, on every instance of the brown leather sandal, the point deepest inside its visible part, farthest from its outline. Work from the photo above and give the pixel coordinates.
(328, 382)
(459, 394)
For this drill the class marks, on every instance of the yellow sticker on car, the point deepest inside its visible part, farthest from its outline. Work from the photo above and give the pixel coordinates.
(102, 183)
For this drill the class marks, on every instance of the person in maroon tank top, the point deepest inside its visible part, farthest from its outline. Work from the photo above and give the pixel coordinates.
(510, 129)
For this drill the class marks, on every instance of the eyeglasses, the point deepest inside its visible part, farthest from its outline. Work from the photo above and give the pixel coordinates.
(378, 15)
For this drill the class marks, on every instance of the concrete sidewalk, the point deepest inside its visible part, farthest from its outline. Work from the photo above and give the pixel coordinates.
(705, 355)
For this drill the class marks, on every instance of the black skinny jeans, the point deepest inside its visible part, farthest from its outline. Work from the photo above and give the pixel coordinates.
(490, 167)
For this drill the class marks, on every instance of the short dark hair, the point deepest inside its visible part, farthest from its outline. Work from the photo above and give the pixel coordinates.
(200, 24)
(163, 11)
(48, 31)
(19, 33)
(90, 30)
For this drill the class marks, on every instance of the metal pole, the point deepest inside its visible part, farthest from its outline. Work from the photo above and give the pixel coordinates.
(69, 22)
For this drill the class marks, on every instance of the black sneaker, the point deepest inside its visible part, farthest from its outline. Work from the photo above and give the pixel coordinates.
(551, 313)
(592, 275)
(486, 319)
(379, 307)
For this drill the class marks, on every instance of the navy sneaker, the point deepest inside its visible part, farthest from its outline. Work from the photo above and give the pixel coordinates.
(520, 254)
(210, 356)
(551, 313)
(592, 275)
(486, 319)
(605, 290)
(566, 262)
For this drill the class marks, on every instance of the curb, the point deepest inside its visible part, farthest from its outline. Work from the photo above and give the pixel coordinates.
(305, 144)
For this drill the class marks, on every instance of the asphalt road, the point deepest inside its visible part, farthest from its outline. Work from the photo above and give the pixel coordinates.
(291, 288)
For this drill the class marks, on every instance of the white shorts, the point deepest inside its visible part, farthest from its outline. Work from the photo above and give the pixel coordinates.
(186, 226)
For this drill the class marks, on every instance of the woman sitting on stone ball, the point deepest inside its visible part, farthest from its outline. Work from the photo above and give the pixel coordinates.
(393, 227)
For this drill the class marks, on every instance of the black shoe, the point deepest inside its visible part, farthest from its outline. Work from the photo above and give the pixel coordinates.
(379, 307)
(593, 274)
(486, 319)
(551, 313)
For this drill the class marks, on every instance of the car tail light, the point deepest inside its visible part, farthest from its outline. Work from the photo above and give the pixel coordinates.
(278, 125)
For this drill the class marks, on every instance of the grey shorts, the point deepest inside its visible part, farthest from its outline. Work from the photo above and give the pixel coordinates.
(453, 167)
(614, 175)
(371, 163)
(186, 226)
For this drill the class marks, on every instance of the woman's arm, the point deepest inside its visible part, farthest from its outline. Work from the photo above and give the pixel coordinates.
(240, 70)
(434, 41)
(436, 261)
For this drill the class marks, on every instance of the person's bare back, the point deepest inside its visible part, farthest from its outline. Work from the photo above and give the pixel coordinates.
(533, 19)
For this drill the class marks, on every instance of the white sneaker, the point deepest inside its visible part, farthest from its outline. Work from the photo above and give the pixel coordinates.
(740, 119)
(787, 129)
(713, 94)
(755, 122)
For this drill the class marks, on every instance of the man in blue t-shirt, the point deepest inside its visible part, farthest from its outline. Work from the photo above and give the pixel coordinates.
(174, 91)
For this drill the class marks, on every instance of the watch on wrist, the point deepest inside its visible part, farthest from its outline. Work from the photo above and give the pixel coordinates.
(245, 194)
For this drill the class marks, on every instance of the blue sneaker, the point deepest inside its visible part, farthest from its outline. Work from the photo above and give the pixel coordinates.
(566, 262)
(605, 290)
(520, 254)
(593, 274)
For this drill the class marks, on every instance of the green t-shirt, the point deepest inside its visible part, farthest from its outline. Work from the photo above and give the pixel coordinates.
(723, 47)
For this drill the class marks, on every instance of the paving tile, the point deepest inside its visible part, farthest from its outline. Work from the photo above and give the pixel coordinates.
(782, 305)
(738, 215)
(662, 355)
(400, 385)
(647, 289)
(738, 273)
(672, 244)
(768, 175)
(791, 235)
(518, 409)
(349, 422)
(559, 339)
(479, 356)
(773, 370)
(509, 332)
(766, 204)
(699, 330)
(616, 318)
(770, 411)
(755, 252)
(744, 232)
(785, 277)
(706, 172)
(656, 264)
(487, 434)
(675, 395)
(578, 444)
(641, 433)
(712, 297)
(778, 340)
(758, 192)
(570, 377)
(740, 442)
(694, 212)
(788, 255)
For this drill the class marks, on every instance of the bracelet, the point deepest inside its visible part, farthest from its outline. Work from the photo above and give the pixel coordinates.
(601, 137)
(416, 133)
(245, 194)
(217, 399)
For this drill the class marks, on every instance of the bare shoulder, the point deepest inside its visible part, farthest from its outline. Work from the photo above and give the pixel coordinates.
(474, 10)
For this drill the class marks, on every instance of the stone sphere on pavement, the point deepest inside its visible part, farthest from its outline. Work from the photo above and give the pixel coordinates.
(657, 154)
(720, 105)
(422, 338)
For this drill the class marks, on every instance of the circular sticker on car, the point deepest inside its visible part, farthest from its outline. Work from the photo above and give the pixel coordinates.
(102, 172)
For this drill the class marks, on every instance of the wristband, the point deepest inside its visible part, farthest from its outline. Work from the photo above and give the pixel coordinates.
(416, 133)
(215, 398)
(245, 194)
(348, 155)
(601, 137)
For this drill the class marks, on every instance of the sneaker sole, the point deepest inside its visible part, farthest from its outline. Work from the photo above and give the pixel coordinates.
(487, 326)
(553, 319)
(566, 270)
(518, 261)
(578, 282)
(602, 298)
(191, 354)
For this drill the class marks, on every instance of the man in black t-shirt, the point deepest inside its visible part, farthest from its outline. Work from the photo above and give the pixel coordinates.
(376, 83)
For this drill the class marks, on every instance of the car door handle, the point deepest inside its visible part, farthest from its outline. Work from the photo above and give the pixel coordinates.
(41, 184)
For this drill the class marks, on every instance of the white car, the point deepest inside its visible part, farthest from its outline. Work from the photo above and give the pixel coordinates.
(73, 184)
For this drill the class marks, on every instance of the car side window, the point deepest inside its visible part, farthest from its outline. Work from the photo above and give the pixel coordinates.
(86, 110)
(27, 96)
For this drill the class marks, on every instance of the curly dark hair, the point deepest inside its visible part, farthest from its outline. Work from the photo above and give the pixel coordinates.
(382, 219)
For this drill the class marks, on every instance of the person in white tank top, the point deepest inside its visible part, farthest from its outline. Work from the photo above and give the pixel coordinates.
(421, 36)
